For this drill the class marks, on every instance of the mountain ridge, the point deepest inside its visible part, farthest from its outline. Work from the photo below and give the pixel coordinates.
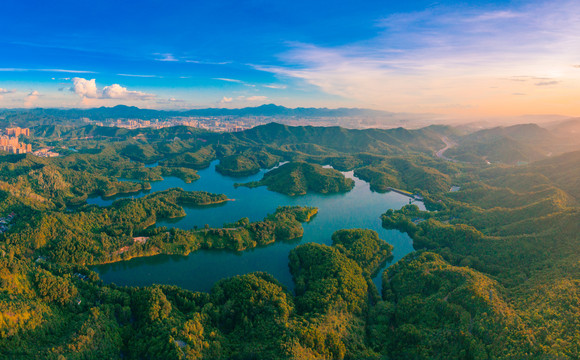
(272, 110)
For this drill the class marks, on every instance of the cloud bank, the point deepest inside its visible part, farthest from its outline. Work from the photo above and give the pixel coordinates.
(243, 99)
(257, 98)
(5, 91)
(31, 98)
(87, 89)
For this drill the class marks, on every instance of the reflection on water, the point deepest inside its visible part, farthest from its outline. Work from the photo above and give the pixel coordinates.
(359, 208)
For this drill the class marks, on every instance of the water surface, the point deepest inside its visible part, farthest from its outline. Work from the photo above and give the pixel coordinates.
(359, 208)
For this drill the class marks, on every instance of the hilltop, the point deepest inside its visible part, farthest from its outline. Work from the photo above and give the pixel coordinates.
(299, 178)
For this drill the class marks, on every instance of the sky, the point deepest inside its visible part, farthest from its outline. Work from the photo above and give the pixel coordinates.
(457, 58)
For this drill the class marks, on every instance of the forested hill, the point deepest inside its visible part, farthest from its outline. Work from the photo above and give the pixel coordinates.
(569, 127)
(345, 140)
(298, 178)
(507, 145)
(272, 134)
(495, 275)
(563, 170)
(515, 144)
(512, 144)
(70, 132)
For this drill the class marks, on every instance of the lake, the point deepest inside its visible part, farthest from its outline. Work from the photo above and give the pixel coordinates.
(359, 208)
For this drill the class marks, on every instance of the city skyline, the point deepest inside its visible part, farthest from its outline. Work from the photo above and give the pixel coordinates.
(485, 58)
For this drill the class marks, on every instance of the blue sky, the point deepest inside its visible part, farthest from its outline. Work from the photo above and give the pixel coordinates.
(460, 58)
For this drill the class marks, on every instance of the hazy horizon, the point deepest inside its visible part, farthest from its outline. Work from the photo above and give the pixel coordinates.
(381, 119)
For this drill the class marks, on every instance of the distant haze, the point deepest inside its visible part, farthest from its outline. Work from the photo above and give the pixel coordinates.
(346, 117)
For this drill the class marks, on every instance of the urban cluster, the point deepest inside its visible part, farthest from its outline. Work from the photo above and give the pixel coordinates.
(9, 140)
(46, 152)
(211, 123)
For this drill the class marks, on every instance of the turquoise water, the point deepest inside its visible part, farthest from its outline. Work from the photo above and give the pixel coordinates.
(359, 208)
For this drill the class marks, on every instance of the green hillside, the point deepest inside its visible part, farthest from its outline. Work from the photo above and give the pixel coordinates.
(299, 178)
(495, 274)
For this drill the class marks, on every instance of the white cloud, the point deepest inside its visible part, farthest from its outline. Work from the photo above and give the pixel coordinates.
(31, 98)
(48, 70)
(141, 76)
(65, 71)
(229, 80)
(495, 15)
(541, 80)
(165, 57)
(276, 86)
(173, 102)
(172, 58)
(117, 91)
(5, 92)
(547, 83)
(87, 89)
(204, 62)
(257, 98)
(242, 99)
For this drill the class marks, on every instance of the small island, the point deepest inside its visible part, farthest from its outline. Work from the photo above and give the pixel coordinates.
(298, 178)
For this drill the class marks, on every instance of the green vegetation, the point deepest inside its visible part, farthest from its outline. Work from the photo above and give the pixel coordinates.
(299, 178)
(518, 227)
(327, 279)
(432, 309)
(495, 274)
(364, 247)
(246, 164)
(92, 235)
(511, 145)
(40, 181)
(420, 174)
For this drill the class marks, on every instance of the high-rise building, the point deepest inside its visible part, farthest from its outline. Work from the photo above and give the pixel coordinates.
(12, 145)
(17, 131)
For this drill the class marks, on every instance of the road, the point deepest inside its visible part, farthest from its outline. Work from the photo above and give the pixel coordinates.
(448, 145)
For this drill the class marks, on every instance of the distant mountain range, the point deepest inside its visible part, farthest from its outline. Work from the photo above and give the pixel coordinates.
(271, 110)
(522, 142)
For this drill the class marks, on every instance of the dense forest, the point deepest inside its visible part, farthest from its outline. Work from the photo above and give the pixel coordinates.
(298, 178)
(495, 274)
